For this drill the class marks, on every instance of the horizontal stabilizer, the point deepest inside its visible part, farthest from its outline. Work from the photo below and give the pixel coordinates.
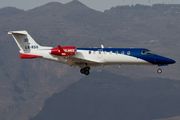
(18, 32)
(28, 56)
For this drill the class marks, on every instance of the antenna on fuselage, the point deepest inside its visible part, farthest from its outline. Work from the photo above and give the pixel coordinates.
(102, 46)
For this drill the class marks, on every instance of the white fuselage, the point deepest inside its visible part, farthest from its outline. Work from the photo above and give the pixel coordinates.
(95, 58)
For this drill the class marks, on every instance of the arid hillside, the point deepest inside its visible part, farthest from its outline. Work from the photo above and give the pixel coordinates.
(26, 84)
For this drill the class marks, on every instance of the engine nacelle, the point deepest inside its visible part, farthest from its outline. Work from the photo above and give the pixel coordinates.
(64, 51)
(70, 50)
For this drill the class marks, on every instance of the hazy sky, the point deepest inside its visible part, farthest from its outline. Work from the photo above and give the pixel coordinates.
(99, 5)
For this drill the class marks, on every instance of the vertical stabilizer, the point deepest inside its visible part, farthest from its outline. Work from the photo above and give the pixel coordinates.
(24, 41)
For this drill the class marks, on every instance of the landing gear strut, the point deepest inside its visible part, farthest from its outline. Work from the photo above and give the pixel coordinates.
(85, 70)
(159, 71)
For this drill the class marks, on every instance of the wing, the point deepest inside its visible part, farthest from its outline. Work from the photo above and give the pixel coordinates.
(75, 61)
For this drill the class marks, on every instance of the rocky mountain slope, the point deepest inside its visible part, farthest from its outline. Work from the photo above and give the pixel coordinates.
(105, 96)
(26, 84)
(173, 118)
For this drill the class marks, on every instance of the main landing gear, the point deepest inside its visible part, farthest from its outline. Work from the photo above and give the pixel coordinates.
(159, 70)
(85, 70)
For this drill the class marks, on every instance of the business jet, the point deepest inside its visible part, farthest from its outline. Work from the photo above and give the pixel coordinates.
(87, 57)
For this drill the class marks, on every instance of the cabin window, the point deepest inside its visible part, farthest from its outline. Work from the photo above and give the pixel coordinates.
(122, 52)
(147, 52)
(89, 52)
(128, 52)
(117, 52)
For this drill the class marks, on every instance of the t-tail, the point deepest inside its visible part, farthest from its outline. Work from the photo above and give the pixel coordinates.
(26, 44)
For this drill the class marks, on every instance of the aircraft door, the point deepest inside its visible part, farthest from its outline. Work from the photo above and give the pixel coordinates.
(100, 53)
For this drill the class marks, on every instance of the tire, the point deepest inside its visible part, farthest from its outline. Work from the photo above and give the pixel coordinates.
(82, 70)
(159, 71)
(87, 68)
(86, 72)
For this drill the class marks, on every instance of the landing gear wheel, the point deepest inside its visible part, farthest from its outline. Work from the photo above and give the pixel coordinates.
(82, 70)
(159, 71)
(86, 72)
(87, 68)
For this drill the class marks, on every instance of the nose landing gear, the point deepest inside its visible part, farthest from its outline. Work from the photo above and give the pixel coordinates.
(159, 70)
(85, 70)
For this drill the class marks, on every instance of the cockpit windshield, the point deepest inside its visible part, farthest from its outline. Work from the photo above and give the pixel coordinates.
(147, 52)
